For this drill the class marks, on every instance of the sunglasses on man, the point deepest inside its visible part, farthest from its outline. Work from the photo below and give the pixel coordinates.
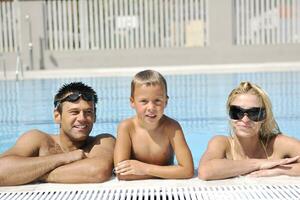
(74, 97)
(255, 114)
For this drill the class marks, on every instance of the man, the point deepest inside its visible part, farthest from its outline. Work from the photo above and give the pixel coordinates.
(72, 156)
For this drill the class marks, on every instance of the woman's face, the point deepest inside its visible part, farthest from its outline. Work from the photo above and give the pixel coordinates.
(244, 126)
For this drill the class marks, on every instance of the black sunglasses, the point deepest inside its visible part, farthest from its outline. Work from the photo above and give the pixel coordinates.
(74, 97)
(255, 114)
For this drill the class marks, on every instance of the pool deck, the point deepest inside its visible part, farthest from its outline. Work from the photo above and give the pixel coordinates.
(280, 187)
(130, 71)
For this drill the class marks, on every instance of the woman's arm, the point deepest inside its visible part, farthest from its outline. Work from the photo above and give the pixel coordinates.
(287, 148)
(214, 164)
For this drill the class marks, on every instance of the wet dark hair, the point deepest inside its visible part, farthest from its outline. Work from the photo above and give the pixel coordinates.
(74, 87)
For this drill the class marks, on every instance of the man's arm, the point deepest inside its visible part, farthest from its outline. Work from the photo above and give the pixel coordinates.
(97, 167)
(21, 164)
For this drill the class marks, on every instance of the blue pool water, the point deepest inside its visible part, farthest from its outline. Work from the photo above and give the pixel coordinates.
(197, 101)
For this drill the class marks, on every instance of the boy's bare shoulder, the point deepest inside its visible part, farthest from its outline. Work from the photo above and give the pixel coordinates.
(126, 125)
(170, 122)
(127, 122)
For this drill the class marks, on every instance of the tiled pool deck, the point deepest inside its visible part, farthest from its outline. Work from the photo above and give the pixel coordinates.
(281, 187)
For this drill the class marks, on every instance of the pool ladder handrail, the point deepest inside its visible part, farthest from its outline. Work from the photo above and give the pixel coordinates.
(19, 65)
(2, 60)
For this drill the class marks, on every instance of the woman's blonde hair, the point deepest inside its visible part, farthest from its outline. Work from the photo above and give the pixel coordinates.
(269, 127)
(148, 77)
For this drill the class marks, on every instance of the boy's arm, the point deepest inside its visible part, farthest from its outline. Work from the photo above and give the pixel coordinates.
(214, 164)
(133, 169)
(122, 151)
(21, 164)
(97, 167)
(185, 166)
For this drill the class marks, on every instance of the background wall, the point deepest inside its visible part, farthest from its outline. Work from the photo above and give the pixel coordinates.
(53, 34)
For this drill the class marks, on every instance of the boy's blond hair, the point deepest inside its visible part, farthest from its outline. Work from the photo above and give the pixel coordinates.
(148, 78)
(269, 126)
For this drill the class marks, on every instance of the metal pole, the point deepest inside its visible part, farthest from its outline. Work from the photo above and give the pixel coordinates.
(30, 45)
(4, 68)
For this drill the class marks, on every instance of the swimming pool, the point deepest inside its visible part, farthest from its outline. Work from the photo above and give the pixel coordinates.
(197, 101)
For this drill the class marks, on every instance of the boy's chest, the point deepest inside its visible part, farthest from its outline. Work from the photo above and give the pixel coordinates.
(151, 149)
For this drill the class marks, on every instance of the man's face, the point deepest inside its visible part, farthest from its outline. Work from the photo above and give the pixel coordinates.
(77, 119)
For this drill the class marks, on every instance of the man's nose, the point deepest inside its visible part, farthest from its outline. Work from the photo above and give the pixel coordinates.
(81, 115)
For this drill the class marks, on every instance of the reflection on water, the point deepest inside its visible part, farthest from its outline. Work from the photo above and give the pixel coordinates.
(196, 101)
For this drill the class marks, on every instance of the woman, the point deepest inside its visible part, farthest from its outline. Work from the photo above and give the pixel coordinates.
(255, 146)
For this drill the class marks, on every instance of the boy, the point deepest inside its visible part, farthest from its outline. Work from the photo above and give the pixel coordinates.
(147, 142)
(72, 156)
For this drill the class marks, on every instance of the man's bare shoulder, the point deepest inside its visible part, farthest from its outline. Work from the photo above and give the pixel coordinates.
(100, 138)
(29, 143)
(102, 143)
(34, 136)
(37, 133)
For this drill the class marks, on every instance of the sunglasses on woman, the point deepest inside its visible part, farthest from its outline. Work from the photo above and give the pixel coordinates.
(74, 97)
(255, 114)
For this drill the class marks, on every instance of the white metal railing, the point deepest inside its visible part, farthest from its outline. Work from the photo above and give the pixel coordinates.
(8, 26)
(266, 21)
(259, 192)
(125, 24)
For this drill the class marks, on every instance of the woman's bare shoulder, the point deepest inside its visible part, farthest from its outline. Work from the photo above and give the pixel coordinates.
(285, 140)
(286, 146)
(220, 138)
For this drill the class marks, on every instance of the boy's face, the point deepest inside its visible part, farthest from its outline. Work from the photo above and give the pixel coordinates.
(76, 119)
(149, 103)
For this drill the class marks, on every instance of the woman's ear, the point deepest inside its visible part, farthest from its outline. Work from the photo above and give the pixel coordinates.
(57, 116)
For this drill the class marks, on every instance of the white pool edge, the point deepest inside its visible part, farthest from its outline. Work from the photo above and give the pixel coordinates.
(165, 70)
